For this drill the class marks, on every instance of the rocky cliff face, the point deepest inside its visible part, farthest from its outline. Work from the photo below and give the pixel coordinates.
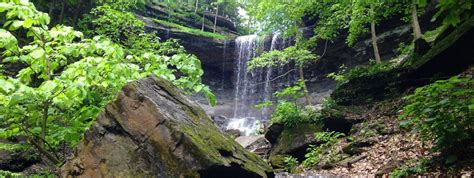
(152, 130)
(219, 57)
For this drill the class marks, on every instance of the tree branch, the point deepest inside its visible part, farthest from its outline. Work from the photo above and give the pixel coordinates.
(277, 77)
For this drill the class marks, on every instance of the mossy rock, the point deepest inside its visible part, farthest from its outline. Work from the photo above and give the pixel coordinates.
(295, 141)
(152, 130)
(278, 161)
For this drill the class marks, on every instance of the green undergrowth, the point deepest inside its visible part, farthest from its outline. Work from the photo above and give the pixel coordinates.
(344, 75)
(8, 174)
(4, 173)
(443, 114)
(180, 28)
(420, 167)
(327, 151)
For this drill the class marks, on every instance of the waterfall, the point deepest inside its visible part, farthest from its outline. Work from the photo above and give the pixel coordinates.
(247, 125)
(268, 89)
(256, 86)
(245, 46)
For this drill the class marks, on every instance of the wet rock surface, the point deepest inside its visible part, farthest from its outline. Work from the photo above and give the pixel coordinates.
(256, 144)
(152, 130)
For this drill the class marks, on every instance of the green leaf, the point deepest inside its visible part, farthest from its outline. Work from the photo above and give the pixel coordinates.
(4, 6)
(25, 75)
(6, 86)
(15, 99)
(11, 59)
(38, 53)
(48, 86)
(16, 24)
(28, 22)
(198, 88)
(7, 40)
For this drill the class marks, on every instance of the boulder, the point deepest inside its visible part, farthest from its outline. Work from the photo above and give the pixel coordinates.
(273, 132)
(152, 130)
(256, 144)
(220, 121)
(233, 133)
(16, 160)
(295, 141)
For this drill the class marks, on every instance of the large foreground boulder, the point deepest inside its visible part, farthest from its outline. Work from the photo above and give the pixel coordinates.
(152, 130)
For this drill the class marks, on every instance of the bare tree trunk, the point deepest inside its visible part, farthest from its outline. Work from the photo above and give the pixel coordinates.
(215, 19)
(374, 42)
(44, 123)
(43, 151)
(306, 93)
(197, 5)
(203, 17)
(51, 9)
(76, 14)
(61, 15)
(414, 19)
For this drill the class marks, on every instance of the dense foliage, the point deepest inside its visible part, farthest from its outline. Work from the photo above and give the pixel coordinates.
(344, 75)
(278, 58)
(65, 79)
(325, 151)
(443, 113)
(287, 110)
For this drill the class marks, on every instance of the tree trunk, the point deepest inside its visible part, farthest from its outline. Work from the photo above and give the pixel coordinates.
(169, 10)
(61, 15)
(215, 19)
(374, 42)
(43, 151)
(414, 19)
(76, 14)
(197, 5)
(44, 123)
(203, 17)
(305, 89)
(51, 9)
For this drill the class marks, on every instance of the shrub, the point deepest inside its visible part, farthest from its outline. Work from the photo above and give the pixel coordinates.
(286, 113)
(344, 75)
(406, 171)
(290, 163)
(442, 113)
(405, 49)
(326, 151)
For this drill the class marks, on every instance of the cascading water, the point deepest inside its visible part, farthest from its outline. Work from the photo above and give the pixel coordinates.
(268, 89)
(247, 125)
(252, 87)
(246, 50)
